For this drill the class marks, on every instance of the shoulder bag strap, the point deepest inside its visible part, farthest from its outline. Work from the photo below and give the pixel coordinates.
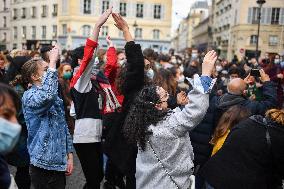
(160, 162)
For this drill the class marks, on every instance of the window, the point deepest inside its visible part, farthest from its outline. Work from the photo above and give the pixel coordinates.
(4, 5)
(275, 16)
(4, 21)
(15, 13)
(54, 31)
(4, 36)
(33, 32)
(138, 33)
(43, 30)
(15, 32)
(86, 30)
(157, 11)
(273, 40)
(14, 45)
(44, 11)
(55, 8)
(156, 34)
(253, 39)
(122, 9)
(33, 12)
(255, 15)
(139, 10)
(104, 31)
(64, 29)
(24, 30)
(23, 12)
(105, 6)
(87, 6)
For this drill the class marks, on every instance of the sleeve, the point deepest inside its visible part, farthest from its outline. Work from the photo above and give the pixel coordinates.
(269, 99)
(111, 65)
(81, 80)
(182, 121)
(134, 79)
(70, 148)
(41, 100)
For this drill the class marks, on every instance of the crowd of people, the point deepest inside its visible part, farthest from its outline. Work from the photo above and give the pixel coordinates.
(162, 120)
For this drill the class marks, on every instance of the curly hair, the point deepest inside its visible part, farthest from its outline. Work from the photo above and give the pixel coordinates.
(142, 114)
(276, 115)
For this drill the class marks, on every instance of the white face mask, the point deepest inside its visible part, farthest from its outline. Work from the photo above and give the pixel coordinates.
(277, 61)
(219, 68)
(181, 79)
(181, 68)
(122, 62)
(150, 73)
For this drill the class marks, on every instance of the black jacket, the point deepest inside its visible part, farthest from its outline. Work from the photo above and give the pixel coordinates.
(5, 179)
(201, 135)
(247, 159)
(255, 107)
(122, 154)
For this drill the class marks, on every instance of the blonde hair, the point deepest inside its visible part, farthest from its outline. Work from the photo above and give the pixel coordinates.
(276, 115)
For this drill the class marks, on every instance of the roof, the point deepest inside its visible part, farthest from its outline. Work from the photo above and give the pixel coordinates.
(201, 4)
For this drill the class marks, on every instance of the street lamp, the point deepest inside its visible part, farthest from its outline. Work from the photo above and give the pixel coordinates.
(260, 3)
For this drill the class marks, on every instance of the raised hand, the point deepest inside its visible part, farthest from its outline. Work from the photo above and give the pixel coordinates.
(103, 18)
(54, 56)
(208, 63)
(120, 23)
(263, 76)
(182, 98)
(109, 41)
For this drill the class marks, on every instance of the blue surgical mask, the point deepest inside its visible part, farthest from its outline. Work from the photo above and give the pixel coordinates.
(9, 135)
(150, 74)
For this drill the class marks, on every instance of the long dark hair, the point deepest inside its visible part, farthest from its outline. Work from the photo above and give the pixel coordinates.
(166, 79)
(142, 114)
(229, 119)
(6, 94)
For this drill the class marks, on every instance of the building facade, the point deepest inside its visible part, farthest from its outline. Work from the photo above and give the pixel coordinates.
(235, 27)
(201, 35)
(184, 38)
(5, 18)
(149, 21)
(33, 23)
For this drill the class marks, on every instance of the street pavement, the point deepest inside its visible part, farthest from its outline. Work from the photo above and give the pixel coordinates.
(75, 181)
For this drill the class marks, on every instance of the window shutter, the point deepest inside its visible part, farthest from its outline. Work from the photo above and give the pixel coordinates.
(93, 7)
(263, 15)
(281, 20)
(268, 16)
(100, 8)
(132, 9)
(163, 11)
(82, 6)
(152, 11)
(250, 15)
(147, 10)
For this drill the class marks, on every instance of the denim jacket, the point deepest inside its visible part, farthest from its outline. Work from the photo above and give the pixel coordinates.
(49, 140)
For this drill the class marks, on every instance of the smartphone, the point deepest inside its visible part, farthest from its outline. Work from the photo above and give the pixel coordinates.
(255, 73)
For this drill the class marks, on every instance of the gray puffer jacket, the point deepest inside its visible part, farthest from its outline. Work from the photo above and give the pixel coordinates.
(171, 142)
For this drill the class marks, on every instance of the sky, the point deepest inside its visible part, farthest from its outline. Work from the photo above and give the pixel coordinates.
(181, 7)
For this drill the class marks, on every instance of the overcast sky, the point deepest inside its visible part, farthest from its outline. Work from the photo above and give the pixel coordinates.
(181, 7)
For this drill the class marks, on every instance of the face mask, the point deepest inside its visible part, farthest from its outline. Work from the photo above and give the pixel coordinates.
(282, 64)
(219, 68)
(122, 62)
(67, 75)
(9, 135)
(181, 79)
(181, 68)
(277, 61)
(150, 74)
(42, 77)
